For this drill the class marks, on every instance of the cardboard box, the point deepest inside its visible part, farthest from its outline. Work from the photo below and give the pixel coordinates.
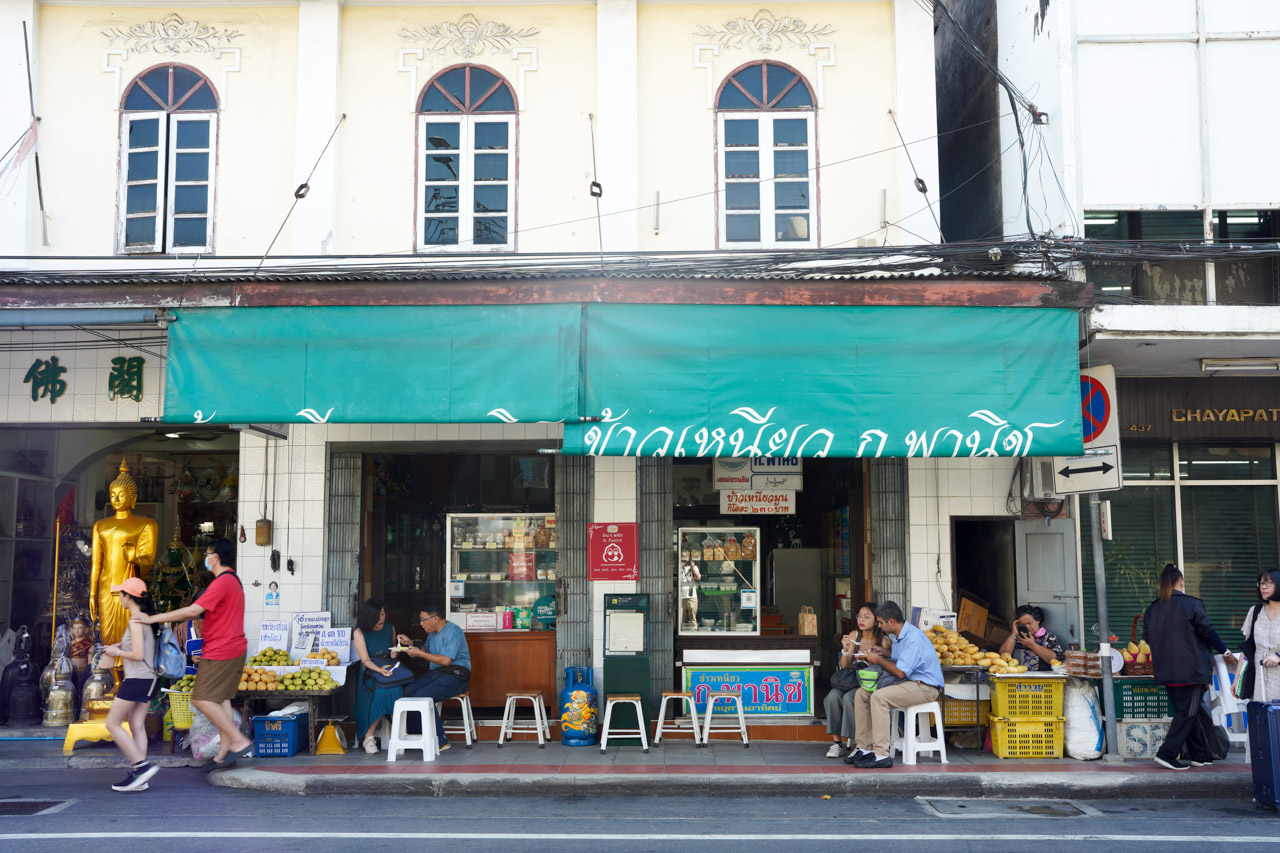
(973, 614)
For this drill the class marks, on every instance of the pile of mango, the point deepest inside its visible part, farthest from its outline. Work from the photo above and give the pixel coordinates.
(954, 650)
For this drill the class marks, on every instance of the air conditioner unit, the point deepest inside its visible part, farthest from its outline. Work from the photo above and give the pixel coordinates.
(1037, 480)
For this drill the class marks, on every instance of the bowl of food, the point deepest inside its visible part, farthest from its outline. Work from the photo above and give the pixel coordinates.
(708, 623)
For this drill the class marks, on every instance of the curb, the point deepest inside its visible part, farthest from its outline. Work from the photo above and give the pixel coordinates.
(1093, 785)
(105, 761)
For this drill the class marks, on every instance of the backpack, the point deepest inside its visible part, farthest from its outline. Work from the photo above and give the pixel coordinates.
(171, 661)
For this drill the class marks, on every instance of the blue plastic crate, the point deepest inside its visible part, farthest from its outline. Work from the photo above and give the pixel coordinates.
(283, 736)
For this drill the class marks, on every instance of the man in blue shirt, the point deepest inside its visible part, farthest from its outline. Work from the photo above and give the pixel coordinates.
(446, 651)
(915, 662)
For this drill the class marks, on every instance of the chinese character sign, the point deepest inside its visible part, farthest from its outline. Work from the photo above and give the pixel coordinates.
(46, 379)
(126, 378)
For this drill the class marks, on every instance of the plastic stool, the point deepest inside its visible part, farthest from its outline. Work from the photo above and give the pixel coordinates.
(909, 740)
(540, 724)
(741, 727)
(692, 726)
(468, 727)
(92, 731)
(401, 740)
(629, 699)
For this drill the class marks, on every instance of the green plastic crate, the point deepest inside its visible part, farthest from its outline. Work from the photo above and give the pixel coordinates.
(1141, 698)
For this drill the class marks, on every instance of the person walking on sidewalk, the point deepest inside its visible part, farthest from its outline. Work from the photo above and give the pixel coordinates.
(446, 651)
(222, 655)
(916, 663)
(1262, 641)
(1180, 634)
(137, 648)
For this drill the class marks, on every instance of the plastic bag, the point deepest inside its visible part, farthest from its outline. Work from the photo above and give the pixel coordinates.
(7, 641)
(1083, 727)
(204, 737)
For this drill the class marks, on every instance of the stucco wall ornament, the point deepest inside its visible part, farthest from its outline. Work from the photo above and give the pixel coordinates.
(467, 37)
(171, 35)
(764, 33)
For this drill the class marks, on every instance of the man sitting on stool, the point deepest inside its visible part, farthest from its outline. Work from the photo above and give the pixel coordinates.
(916, 662)
(446, 651)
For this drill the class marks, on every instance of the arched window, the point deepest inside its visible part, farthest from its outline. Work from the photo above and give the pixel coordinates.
(466, 161)
(768, 175)
(168, 140)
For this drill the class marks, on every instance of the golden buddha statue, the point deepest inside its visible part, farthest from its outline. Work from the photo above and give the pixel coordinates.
(124, 546)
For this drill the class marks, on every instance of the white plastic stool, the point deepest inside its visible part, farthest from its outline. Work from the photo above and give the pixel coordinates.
(468, 727)
(674, 726)
(909, 741)
(628, 699)
(741, 727)
(539, 724)
(401, 740)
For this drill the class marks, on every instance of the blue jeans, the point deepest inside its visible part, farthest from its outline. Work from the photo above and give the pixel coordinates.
(438, 686)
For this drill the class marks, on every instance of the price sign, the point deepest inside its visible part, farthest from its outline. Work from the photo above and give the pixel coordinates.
(274, 635)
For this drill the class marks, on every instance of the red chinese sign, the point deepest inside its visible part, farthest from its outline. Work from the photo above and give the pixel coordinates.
(613, 552)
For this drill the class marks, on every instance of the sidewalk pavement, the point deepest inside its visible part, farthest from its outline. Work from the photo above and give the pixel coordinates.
(675, 766)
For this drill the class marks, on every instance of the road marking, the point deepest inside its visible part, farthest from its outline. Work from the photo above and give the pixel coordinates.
(587, 836)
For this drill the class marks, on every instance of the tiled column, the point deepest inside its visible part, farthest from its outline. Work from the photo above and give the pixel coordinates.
(615, 500)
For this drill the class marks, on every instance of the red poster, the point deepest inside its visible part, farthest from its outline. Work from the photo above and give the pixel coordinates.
(520, 566)
(613, 552)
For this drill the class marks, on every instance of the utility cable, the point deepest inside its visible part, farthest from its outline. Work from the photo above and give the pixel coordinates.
(596, 191)
(919, 182)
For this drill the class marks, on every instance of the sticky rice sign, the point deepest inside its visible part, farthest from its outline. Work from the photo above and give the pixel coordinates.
(758, 502)
(613, 552)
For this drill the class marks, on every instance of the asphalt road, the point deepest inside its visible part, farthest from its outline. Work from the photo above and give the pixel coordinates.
(182, 813)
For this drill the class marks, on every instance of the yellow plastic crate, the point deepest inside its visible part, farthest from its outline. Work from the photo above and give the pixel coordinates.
(1012, 696)
(960, 712)
(1027, 737)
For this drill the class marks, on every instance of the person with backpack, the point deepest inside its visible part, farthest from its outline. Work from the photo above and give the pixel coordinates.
(137, 649)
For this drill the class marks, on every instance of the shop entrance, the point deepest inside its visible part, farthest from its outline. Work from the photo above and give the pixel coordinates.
(984, 563)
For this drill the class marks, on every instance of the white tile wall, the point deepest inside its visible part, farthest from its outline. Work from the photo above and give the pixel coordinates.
(937, 490)
(615, 500)
(85, 400)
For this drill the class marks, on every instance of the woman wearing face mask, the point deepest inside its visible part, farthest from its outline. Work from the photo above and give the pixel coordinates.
(839, 703)
(1030, 644)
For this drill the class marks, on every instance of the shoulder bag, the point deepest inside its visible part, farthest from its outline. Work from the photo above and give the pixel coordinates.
(1246, 678)
(400, 674)
(846, 679)
(874, 677)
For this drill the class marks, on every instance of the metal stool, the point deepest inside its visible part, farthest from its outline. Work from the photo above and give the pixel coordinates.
(674, 726)
(630, 699)
(401, 740)
(540, 724)
(468, 727)
(741, 727)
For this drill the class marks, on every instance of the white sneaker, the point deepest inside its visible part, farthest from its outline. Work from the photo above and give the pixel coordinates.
(836, 751)
(371, 745)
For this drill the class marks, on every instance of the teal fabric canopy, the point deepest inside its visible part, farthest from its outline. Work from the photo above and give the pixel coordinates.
(673, 380)
(741, 380)
(439, 364)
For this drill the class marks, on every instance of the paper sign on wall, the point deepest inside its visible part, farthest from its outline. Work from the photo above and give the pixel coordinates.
(613, 552)
(273, 635)
(748, 601)
(457, 589)
(310, 623)
(336, 640)
(302, 645)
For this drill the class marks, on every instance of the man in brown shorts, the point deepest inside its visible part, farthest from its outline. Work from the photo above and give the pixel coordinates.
(222, 657)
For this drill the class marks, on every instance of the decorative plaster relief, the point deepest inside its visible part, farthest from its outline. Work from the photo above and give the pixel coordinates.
(706, 64)
(171, 35)
(764, 33)
(823, 64)
(467, 37)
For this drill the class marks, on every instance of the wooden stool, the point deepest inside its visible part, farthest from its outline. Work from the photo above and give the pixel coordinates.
(468, 727)
(692, 726)
(630, 699)
(93, 731)
(728, 696)
(540, 724)
(401, 740)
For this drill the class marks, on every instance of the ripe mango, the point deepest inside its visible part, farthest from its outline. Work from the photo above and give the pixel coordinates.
(1143, 647)
(1133, 648)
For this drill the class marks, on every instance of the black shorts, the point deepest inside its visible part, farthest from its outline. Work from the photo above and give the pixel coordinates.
(138, 689)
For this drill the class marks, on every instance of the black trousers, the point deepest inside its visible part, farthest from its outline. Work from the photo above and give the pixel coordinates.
(1186, 735)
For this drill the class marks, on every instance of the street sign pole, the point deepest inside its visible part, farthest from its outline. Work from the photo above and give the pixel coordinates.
(1104, 632)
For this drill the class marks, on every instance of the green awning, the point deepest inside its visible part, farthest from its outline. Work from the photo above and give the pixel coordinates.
(740, 380)
(438, 364)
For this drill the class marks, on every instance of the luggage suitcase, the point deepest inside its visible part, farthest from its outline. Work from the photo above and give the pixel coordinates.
(1264, 752)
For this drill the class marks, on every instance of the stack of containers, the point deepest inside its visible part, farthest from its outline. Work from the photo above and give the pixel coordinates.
(1143, 715)
(1026, 716)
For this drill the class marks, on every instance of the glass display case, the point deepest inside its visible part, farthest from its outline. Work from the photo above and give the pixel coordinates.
(718, 580)
(501, 571)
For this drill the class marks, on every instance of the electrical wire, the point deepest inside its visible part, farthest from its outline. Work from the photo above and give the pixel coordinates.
(919, 182)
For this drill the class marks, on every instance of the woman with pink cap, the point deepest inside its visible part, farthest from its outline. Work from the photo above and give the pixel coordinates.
(137, 648)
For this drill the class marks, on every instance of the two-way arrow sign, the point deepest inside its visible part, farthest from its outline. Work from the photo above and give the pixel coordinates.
(1101, 469)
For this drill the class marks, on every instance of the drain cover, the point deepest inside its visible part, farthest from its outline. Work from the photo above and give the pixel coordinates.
(988, 808)
(26, 808)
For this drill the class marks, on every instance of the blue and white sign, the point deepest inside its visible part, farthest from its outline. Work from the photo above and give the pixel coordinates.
(765, 690)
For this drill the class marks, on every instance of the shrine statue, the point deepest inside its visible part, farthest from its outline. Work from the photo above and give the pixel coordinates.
(124, 546)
